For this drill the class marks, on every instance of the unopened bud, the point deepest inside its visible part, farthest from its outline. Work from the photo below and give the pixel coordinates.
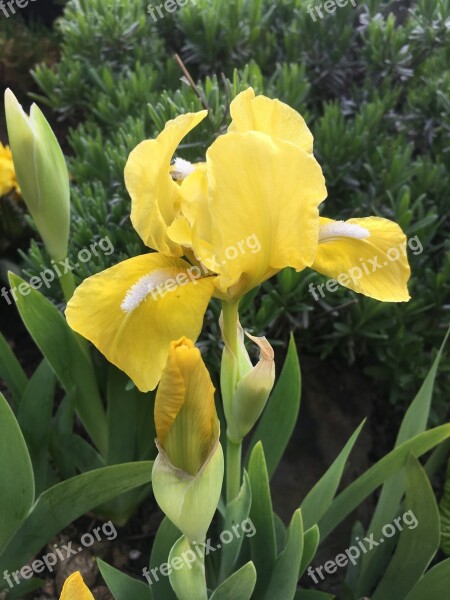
(42, 174)
(252, 392)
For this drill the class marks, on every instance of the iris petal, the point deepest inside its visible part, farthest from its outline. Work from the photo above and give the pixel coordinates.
(375, 265)
(132, 321)
(155, 196)
(269, 116)
(263, 210)
(185, 414)
(75, 589)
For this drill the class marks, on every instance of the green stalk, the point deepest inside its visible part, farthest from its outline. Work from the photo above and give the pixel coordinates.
(67, 283)
(233, 465)
(229, 380)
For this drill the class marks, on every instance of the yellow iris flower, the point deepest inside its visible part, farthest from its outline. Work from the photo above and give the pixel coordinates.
(250, 210)
(8, 180)
(75, 589)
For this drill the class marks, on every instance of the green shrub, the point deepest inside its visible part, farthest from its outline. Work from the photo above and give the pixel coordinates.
(373, 87)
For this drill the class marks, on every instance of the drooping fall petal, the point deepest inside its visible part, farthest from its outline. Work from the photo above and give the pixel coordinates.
(132, 311)
(269, 116)
(367, 255)
(155, 196)
(75, 588)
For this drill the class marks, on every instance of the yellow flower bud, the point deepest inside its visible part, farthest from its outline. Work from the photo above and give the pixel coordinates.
(42, 174)
(186, 421)
(75, 589)
(188, 472)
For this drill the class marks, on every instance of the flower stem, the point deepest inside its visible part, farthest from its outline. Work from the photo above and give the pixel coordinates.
(230, 311)
(234, 454)
(67, 283)
(229, 380)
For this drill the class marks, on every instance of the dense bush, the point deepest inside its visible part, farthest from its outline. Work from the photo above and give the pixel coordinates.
(372, 83)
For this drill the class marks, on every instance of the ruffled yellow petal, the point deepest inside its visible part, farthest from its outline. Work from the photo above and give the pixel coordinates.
(269, 116)
(75, 588)
(194, 190)
(132, 311)
(263, 210)
(374, 263)
(155, 196)
(185, 415)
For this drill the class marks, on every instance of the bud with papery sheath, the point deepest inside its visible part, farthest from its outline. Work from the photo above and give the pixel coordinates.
(252, 392)
(42, 174)
(188, 471)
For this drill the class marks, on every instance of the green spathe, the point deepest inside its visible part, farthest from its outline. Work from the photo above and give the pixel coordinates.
(252, 392)
(188, 581)
(189, 501)
(42, 174)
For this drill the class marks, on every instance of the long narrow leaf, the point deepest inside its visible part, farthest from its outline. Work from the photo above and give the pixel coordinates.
(393, 462)
(34, 417)
(122, 586)
(11, 371)
(63, 350)
(414, 422)
(263, 543)
(16, 475)
(319, 499)
(62, 504)
(417, 545)
(280, 415)
(434, 585)
(283, 583)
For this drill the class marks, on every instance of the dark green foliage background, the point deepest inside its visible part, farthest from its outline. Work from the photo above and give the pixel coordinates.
(372, 83)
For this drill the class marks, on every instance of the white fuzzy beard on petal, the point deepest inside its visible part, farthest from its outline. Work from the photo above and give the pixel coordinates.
(182, 168)
(142, 288)
(337, 229)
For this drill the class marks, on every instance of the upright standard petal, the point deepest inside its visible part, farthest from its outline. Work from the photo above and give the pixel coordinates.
(155, 196)
(132, 311)
(263, 207)
(185, 414)
(269, 116)
(75, 588)
(367, 255)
